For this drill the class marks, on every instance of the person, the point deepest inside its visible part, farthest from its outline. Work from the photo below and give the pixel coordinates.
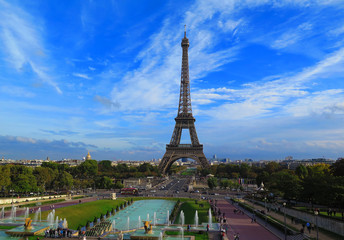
(253, 218)
(236, 236)
(207, 227)
(189, 226)
(308, 225)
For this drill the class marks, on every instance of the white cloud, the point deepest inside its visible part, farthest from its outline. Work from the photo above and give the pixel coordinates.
(326, 102)
(16, 91)
(286, 94)
(22, 38)
(292, 36)
(81, 75)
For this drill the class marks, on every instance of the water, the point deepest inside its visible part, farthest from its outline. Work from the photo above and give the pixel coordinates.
(139, 222)
(65, 223)
(3, 213)
(210, 219)
(181, 230)
(154, 219)
(182, 217)
(147, 216)
(143, 208)
(113, 225)
(56, 222)
(168, 218)
(13, 213)
(51, 217)
(38, 215)
(26, 212)
(128, 222)
(196, 219)
(160, 236)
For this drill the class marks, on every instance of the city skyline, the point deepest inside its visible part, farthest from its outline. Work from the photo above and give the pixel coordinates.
(266, 78)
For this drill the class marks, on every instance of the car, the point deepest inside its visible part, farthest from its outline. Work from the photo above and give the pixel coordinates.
(196, 191)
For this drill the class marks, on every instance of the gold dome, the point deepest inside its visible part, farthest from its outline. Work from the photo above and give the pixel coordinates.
(88, 157)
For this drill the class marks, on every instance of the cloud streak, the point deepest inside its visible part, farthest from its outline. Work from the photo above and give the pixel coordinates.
(21, 35)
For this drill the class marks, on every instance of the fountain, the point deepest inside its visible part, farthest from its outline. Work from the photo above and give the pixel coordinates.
(210, 219)
(50, 218)
(182, 217)
(196, 219)
(38, 213)
(3, 213)
(128, 223)
(56, 222)
(139, 222)
(160, 236)
(181, 230)
(65, 224)
(113, 225)
(147, 216)
(168, 218)
(26, 212)
(13, 213)
(154, 219)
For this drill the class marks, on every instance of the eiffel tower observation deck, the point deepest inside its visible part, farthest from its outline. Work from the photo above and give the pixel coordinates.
(184, 120)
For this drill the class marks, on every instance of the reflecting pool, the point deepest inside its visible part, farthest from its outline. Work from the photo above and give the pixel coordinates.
(129, 217)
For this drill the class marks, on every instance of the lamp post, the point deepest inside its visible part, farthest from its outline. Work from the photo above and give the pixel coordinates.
(316, 222)
(285, 224)
(266, 212)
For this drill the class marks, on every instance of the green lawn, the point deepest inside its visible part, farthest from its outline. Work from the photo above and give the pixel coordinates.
(198, 236)
(81, 213)
(324, 213)
(189, 208)
(7, 227)
(189, 172)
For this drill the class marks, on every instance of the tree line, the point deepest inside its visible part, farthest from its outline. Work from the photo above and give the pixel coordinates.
(51, 176)
(315, 184)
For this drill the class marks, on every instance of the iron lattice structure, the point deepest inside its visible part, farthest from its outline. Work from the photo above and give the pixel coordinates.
(184, 120)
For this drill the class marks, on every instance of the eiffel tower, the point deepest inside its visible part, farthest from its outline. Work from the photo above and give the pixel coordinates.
(184, 120)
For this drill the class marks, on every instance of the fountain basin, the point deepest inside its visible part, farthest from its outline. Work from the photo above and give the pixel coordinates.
(21, 231)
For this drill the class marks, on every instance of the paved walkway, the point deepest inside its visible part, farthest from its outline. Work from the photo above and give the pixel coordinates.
(280, 217)
(241, 223)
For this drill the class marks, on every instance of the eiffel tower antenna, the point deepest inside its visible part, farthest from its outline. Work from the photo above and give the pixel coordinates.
(184, 120)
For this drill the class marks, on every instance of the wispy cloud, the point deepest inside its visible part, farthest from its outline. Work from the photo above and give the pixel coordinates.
(293, 93)
(22, 38)
(16, 91)
(81, 75)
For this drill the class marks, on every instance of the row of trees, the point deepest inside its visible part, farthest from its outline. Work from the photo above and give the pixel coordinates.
(319, 183)
(55, 177)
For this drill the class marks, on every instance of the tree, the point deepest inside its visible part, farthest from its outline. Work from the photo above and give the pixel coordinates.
(118, 185)
(104, 182)
(212, 182)
(301, 171)
(104, 166)
(5, 177)
(338, 167)
(88, 169)
(45, 177)
(285, 183)
(65, 180)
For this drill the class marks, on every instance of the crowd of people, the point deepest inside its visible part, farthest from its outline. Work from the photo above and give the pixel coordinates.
(58, 233)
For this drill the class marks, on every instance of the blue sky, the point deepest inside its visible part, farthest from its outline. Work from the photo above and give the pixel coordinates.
(104, 76)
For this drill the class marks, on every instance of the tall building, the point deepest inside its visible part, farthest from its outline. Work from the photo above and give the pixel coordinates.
(184, 120)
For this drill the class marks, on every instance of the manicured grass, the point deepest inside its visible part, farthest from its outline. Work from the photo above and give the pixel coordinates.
(198, 236)
(189, 208)
(189, 172)
(7, 227)
(78, 215)
(323, 213)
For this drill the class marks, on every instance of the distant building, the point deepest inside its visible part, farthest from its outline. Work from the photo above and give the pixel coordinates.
(88, 157)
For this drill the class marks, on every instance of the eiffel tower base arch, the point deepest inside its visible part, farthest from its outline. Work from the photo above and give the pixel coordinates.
(173, 153)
